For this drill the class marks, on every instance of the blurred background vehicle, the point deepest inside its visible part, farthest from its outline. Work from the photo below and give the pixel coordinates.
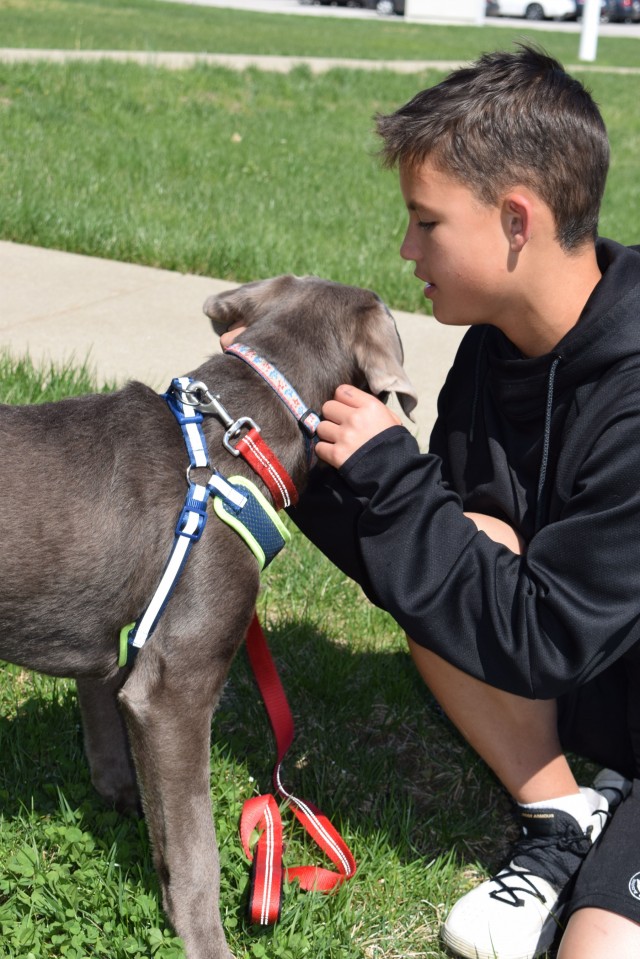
(388, 7)
(614, 11)
(384, 7)
(580, 8)
(534, 9)
(332, 3)
(623, 11)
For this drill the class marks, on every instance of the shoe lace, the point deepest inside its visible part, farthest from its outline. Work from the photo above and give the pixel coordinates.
(507, 892)
(510, 881)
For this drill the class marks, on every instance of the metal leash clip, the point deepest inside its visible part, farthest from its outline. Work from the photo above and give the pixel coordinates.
(199, 396)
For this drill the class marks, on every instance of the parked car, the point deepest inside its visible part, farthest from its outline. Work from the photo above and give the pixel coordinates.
(388, 7)
(622, 11)
(603, 10)
(385, 7)
(332, 3)
(614, 11)
(537, 9)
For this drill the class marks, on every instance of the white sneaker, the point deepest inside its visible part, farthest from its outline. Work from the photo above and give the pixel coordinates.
(517, 914)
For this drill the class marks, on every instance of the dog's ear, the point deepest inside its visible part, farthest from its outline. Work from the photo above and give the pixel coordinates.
(229, 307)
(245, 304)
(378, 352)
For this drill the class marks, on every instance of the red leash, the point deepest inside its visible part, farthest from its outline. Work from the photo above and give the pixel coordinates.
(268, 467)
(262, 812)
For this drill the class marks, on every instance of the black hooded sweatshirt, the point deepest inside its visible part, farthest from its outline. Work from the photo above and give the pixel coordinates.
(551, 445)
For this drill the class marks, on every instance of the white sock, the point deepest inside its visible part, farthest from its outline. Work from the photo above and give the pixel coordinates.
(576, 804)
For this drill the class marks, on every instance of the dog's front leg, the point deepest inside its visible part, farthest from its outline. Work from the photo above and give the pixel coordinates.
(106, 744)
(169, 720)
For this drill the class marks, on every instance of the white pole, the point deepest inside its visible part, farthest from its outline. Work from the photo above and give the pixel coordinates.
(589, 31)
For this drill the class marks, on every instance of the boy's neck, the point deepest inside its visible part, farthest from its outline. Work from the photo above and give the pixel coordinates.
(554, 301)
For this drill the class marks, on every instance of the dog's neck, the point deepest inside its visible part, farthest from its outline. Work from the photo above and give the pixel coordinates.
(306, 417)
(236, 394)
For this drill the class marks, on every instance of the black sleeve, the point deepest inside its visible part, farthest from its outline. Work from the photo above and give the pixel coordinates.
(328, 513)
(533, 625)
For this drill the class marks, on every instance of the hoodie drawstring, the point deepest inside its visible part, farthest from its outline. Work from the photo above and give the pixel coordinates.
(476, 384)
(546, 441)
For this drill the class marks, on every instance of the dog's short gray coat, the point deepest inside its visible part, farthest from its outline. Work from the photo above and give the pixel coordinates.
(91, 490)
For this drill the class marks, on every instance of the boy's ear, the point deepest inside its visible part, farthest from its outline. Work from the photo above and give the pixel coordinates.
(517, 211)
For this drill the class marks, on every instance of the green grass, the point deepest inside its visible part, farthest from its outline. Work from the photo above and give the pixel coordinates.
(22, 382)
(154, 25)
(424, 818)
(234, 175)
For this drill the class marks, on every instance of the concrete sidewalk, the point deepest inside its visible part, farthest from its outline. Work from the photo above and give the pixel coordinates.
(135, 322)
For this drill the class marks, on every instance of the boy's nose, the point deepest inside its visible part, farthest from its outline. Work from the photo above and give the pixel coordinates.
(407, 248)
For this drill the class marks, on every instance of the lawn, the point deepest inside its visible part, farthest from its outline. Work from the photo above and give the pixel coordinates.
(155, 25)
(234, 175)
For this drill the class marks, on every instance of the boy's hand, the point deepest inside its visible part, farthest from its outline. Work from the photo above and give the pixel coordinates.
(350, 419)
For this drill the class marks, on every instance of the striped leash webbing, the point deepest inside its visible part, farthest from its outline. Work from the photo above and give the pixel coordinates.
(262, 812)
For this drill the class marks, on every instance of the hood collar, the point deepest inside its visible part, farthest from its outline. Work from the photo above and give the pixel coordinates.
(607, 331)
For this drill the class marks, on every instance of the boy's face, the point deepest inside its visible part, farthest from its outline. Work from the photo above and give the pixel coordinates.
(460, 247)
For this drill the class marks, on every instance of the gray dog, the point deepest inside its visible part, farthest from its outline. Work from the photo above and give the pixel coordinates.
(87, 552)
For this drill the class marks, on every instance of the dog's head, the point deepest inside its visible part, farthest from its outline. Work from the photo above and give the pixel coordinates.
(309, 315)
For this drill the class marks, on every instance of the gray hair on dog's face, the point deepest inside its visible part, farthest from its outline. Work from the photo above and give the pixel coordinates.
(355, 317)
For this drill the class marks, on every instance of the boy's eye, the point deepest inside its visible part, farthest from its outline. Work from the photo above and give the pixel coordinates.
(426, 224)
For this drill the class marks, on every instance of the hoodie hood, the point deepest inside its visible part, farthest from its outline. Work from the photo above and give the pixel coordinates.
(607, 331)
(535, 394)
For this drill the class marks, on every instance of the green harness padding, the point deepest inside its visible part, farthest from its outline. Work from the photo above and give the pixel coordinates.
(257, 522)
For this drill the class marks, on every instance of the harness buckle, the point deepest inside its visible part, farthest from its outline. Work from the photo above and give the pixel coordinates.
(198, 395)
(192, 506)
(233, 433)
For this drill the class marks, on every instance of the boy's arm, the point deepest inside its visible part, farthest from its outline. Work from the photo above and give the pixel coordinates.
(354, 417)
(498, 531)
(532, 624)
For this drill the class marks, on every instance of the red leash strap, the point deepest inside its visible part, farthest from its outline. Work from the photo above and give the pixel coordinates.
(265, 894)
(262, 812)
(266, 464)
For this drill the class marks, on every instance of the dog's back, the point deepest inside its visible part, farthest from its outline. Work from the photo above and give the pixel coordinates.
(88, 506)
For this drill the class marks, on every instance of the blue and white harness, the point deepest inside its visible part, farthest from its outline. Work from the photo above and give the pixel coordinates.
(236, 500)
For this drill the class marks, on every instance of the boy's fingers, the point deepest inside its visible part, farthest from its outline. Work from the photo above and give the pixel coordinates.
(324, 452)
(346, 398)
(352, 396)
(328, 431)
(334, 412)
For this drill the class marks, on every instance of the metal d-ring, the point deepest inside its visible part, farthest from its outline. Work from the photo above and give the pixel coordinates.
(235, 428)
(191, 466)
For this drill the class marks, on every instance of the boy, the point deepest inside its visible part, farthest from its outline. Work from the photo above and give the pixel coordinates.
(510, 552)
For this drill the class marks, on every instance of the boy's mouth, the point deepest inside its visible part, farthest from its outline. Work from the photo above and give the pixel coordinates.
(428, 288)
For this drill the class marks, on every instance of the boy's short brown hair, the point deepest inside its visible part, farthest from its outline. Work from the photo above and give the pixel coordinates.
(508, 119)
